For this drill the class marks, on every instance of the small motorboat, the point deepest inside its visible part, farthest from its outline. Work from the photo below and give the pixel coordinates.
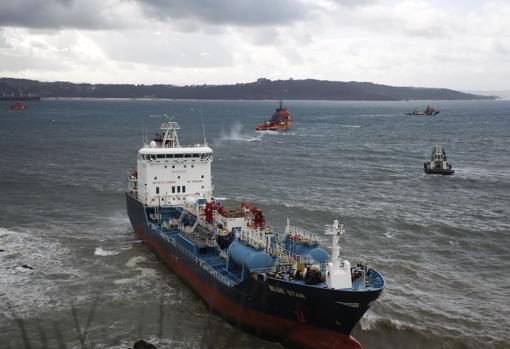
(17, 106)
(438, 163)
(428, 111)
(280, 121)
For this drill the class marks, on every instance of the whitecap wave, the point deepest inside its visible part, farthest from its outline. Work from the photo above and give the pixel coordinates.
(124, 281)
(31, 264)
(101, 252)
(133, 261)
(371, 321)
(389, 235)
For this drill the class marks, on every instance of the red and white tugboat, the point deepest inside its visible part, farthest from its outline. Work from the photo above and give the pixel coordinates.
(280, 121)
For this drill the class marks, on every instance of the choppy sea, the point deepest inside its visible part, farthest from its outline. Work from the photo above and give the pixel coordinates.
(442, 243)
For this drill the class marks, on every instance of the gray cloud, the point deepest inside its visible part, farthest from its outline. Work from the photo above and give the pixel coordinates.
(229, 12)
(4, 42)
(57, 14)
(167, 50)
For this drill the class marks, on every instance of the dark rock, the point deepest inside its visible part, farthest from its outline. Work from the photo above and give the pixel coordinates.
(141, 344)
(26, 266)
(2, 250)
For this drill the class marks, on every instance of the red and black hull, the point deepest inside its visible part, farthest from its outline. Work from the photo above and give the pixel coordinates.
(297, 316)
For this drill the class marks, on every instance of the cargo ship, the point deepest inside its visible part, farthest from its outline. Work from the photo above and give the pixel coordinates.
(438, 163)
(280, 121)
(278, 285)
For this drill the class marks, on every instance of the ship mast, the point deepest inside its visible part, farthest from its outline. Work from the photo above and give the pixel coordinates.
(339, 272)
(170, 138)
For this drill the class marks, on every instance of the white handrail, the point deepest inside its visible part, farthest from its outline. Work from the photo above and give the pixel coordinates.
(199, 261)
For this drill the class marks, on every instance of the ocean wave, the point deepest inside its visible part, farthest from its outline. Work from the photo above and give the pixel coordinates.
(157, 342)
(99, 251)
(350, 126)
(134, 261)
(371, 321)
(365, 115)
(33, 266)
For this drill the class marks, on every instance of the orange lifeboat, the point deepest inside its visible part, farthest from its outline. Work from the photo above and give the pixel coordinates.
(16, 106)
(280, 121)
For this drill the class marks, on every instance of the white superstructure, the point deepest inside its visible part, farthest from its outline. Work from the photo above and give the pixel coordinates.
(168, 173)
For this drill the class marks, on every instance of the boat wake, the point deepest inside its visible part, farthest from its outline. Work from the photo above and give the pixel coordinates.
(235, 134)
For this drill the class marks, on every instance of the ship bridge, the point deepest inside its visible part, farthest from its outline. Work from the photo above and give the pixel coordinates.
(167, 173)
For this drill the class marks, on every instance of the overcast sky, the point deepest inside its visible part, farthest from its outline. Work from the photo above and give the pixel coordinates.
(459, 44)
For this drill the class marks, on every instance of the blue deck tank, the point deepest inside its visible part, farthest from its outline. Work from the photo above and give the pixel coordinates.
(301, 248)
(247, 258)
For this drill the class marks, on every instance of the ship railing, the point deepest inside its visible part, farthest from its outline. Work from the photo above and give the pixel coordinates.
(199, 261)
(281, 252)
(194, 209)
(302, 234)
(248, 237)
(263, 270)
(324, 267)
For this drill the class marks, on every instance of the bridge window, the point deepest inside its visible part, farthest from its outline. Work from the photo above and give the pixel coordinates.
(173, 189)
(196, 155)
(157, 190)
(187, 155)
(178, 188)
(178, 155)
(183, 188)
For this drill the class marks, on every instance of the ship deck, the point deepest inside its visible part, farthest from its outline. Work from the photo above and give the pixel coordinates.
(180, 229)
(193, 242)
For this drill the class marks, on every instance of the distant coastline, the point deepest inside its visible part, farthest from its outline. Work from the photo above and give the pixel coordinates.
(262, 89)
